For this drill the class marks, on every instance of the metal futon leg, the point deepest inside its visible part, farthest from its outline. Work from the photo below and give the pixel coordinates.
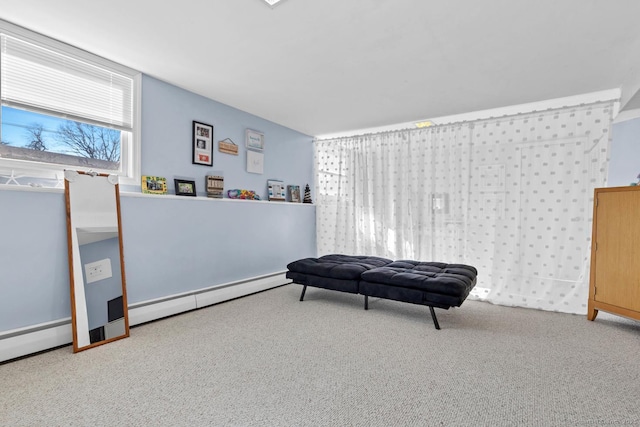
(433, 316)
(304, 289)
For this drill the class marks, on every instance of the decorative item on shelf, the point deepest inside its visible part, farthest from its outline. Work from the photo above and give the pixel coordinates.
(294, 193)
(254, 140)
(185, 188)
(154, 184)
(227, 146)
(202, 144)
(242, 194)
(276, 190)
(307, 195)
(215, 186)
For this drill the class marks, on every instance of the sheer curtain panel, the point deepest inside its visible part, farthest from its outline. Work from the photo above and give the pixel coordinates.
(511, 196)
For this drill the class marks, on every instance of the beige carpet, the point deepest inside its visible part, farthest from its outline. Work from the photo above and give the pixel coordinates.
(270, 360)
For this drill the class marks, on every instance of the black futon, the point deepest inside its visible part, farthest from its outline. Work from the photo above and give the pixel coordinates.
(433, 284)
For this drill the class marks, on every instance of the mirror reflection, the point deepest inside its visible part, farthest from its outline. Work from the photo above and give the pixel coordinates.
(100, 258)
(98, 291)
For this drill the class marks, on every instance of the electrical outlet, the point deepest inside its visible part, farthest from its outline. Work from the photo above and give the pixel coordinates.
(98, 270)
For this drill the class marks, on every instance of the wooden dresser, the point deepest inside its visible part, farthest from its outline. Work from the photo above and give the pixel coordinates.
(615, 252)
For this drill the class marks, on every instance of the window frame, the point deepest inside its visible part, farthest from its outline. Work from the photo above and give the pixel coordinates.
(130, 150)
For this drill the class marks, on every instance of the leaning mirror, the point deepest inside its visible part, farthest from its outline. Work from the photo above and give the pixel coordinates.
(96, 265)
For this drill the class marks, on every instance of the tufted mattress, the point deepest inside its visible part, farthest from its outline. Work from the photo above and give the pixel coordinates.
(428, 283)
(336, 272)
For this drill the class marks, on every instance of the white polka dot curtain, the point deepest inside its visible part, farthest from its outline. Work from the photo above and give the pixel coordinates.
(511, 196)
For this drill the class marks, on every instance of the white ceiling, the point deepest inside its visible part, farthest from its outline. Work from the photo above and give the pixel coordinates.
(331, 66)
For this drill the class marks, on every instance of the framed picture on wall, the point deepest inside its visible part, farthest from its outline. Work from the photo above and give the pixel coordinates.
(255, 162)
(255, 140)
(202, 144)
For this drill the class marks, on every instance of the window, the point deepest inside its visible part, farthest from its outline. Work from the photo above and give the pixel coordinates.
(63, 108)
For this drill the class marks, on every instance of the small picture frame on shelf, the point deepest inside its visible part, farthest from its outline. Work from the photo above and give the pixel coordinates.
(154, 184)
(202, 144)
(185, 188)
(276, 190)
(254, 140)
(294, 193)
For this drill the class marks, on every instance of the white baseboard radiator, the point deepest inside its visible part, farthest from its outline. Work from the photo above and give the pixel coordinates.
(32, 339)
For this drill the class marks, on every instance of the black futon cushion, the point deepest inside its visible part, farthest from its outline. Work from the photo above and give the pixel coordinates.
(337, 266)
(454, 280)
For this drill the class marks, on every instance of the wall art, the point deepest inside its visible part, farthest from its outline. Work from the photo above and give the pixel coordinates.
(255, 162)
(255, 140)
(202, 144)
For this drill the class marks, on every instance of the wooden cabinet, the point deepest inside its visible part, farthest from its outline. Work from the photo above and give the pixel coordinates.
(615, 253)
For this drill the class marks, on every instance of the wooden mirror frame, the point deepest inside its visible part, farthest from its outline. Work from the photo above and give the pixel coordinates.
(75, 258)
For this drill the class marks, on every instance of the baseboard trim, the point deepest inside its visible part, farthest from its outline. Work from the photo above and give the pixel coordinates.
(161, 309)
(34, 339)
(29, 342)
(226, 292)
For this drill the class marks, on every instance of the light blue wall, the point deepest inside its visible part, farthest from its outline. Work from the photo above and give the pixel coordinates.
(34, 271)
(171, 245)
(168, 113)
(624, 165)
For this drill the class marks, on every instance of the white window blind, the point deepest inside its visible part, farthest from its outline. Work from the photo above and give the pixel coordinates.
(44, 80)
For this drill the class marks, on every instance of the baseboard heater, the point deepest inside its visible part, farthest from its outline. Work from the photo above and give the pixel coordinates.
(32, 339)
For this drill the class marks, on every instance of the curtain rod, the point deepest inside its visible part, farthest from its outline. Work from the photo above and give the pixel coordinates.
(474, 121)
